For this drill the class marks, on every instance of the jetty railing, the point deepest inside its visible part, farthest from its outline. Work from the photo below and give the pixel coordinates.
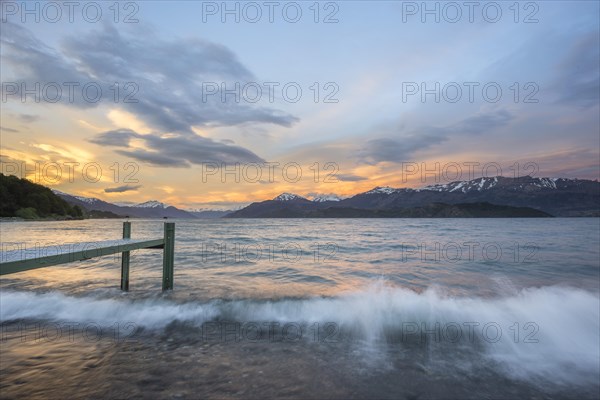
(13, 261)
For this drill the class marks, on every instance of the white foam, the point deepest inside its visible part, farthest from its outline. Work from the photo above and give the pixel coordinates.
(55, 306)
(567, 347)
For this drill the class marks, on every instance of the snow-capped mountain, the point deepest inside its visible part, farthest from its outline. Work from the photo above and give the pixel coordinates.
(288, 197)
(124, 203)
(150, 204)
(464, 186)
(481, 184)
(487, 183)
(148, 209)
(555, 196)
(317, 199)
(89, 201)
(383, 190)
(326, 197)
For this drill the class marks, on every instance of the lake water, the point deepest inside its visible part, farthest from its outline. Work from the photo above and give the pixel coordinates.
(327, 308)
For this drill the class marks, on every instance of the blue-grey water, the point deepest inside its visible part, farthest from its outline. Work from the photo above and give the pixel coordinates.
(303, 308)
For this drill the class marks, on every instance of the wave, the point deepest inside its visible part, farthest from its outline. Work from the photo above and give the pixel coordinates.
(548, 331)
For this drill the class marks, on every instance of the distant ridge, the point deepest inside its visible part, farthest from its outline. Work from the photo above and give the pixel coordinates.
(210, 214)
(149, 209)
(553, 196)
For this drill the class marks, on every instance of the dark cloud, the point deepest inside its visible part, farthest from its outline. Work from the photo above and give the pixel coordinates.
(481, 123)
(175, 151)
(116, 138)
(154, 158)
(350, 178)
(169, 76)
(578, 81)
(28, 118)
(122, 189)
(576, 162)
(2, 128)
(399, 149)
(396, 150)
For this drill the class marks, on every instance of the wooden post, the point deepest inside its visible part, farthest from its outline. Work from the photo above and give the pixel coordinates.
(125, 258)
(168, 256)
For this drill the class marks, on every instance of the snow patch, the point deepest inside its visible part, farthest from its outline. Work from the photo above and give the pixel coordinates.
(288, 197)
(382, 189)
(326, 197)
(150, 204)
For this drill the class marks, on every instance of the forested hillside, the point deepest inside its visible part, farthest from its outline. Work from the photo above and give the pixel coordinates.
(28, 200)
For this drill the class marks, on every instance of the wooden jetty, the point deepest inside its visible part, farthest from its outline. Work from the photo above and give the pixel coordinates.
(13, 261)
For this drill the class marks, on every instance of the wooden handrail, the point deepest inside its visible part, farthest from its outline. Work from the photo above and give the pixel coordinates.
(19, 260)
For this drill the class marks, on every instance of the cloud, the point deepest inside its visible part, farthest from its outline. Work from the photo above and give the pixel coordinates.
(29, 118)
(175, 151)
(165, 77)
(122, 189)
(399, 149)
(350, 178)
(481, 123)
(2, 128)
(575, 162)
(116, 138)
(578, 81)
(396, 150)
(167, 189)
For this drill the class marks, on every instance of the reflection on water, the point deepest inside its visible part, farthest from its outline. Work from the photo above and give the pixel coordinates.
(298, 258)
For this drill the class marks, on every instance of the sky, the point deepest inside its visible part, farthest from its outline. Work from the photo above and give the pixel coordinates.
(214, 105)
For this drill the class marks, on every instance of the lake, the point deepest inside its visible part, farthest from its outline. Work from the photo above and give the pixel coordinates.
(310, 308)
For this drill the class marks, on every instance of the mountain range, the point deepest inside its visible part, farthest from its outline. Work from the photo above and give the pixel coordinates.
(495, 195)
(148, 209)
(490, 196)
